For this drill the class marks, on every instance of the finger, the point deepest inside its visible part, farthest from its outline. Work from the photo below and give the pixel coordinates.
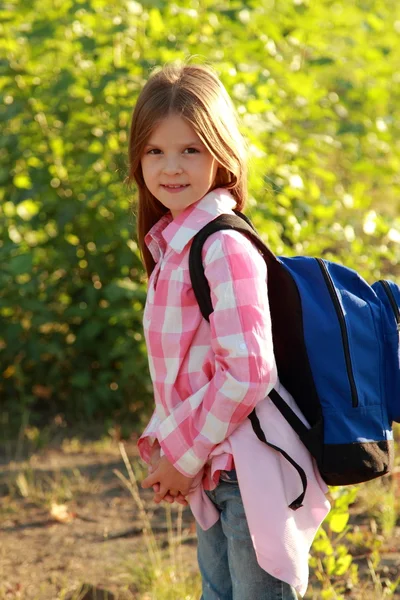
(149, 481)
(156, 488)
(163, 497)
(162, 492)
(174, 493)
(169, 499)
(181, 500)
(159, 498)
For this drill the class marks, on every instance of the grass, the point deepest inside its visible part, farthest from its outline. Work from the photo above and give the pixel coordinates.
(349, 566)
(45, 490)
(161, 572)
(380, 500)
(160, 575)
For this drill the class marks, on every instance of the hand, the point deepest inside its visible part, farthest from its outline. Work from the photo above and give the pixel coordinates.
(173, 495)
(154, 456)
(168, 478)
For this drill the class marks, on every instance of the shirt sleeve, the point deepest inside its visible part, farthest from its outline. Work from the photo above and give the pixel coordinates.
(241, 340)
(148, 437)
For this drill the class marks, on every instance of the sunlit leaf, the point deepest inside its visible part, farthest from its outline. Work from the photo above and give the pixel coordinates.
(338, 522)
(22, 182)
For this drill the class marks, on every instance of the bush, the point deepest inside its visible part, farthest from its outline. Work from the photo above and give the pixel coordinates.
(315, 86)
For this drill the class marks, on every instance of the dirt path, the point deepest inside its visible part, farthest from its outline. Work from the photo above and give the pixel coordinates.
(66, 519)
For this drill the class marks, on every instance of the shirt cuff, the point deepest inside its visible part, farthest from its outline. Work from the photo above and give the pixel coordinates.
(148, 439)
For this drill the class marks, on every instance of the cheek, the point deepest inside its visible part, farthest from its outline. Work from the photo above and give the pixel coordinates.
(148, 172)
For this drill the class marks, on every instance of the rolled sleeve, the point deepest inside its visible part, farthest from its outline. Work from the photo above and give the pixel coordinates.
(148, 438)
(241, 341)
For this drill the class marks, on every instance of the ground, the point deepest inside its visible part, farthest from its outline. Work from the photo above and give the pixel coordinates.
(67, 519)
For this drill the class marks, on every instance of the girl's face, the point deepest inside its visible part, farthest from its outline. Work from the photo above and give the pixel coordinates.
(177, 168)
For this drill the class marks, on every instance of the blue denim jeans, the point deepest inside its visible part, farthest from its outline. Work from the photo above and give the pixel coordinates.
(227, 560)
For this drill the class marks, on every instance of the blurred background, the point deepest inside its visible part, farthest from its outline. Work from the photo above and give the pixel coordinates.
(316, 85)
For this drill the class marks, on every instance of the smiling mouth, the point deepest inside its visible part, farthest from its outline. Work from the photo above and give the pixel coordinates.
(175, 187)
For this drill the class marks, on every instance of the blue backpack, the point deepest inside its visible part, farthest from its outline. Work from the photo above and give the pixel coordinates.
(337, 350)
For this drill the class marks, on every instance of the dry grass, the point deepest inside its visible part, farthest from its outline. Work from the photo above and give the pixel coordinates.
(162, 567)
(161, 575)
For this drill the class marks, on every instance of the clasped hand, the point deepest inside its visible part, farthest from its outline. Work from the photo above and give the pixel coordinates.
(167, 482)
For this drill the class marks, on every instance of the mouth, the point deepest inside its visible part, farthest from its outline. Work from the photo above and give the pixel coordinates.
(175, 188)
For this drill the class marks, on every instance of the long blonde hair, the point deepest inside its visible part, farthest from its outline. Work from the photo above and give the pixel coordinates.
(195, 93)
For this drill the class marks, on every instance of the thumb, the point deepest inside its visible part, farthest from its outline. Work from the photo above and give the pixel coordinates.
(149, 480)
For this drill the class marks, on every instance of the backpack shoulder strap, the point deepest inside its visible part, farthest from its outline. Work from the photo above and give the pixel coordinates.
(201, 288)
(237, 222)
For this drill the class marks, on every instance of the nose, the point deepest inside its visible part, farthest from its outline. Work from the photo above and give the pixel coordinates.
(172, 166)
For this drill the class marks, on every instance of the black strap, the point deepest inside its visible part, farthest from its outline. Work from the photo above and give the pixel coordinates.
(290, 416)
(298, 502)
(201, 288)
(238, 222)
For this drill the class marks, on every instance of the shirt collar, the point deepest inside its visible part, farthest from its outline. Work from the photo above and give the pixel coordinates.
(176, 233)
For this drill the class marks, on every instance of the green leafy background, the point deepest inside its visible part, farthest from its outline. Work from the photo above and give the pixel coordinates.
(316, 85)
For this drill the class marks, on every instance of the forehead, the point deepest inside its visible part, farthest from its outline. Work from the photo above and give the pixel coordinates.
(173, 128)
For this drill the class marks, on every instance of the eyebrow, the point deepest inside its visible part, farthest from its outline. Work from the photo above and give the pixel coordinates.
(185, 145)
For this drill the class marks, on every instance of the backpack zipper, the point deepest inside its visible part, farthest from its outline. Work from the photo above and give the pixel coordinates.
(392, 301)
(343, 328)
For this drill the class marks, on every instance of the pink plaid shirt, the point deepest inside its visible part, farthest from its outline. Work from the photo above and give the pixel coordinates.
(207, 377)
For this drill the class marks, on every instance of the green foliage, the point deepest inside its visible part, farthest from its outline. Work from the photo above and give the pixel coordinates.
(316, 86)
(331, 560)
(346, 556)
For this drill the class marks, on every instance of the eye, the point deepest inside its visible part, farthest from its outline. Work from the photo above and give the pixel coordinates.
(154, 151)
(191, 151)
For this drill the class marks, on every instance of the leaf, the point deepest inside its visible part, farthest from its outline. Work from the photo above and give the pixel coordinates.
(27, 209)
(343, 564)
(81, 380)
(61, 513)
(323, 545)
(4, 175)
(323, 60)
(22, 182)
(338, 522)
(350, 127)
(90, 330)
(156, 23)
(114, 292)
(20, 264)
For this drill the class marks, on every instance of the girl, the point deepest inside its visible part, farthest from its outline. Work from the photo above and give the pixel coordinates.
(187, 158)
